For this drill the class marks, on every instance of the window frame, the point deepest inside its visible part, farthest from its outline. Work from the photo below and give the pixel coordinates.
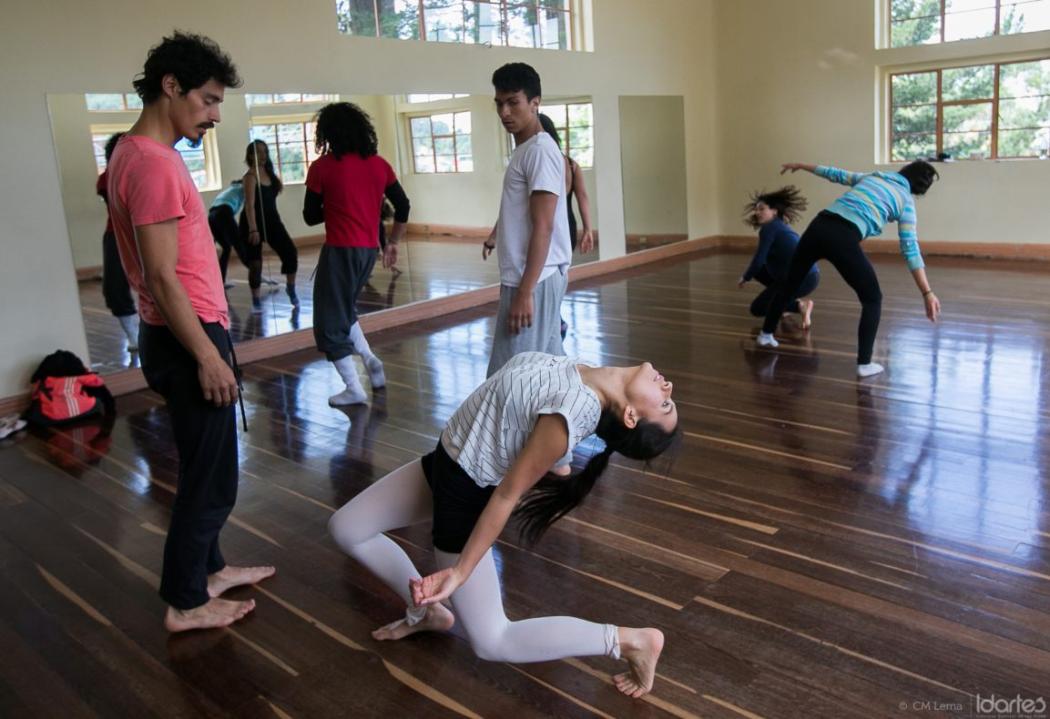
(310, 154)
(325, 98)
(123, 101)
(409, 116)
(996, 30)
(572, 11)
(940, 104)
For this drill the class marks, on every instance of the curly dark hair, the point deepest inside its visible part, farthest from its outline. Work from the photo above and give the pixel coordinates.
(787, 201)
(920, 175)
(344, 127)
(192, 59)
(111, 144)
(516, 76)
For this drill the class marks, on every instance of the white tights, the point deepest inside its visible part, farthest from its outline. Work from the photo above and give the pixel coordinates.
(403, 498)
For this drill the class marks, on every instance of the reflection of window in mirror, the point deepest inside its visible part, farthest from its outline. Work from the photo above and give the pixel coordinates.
(291, 143)
(574, 122)
(433, 97)
(202, 162)
(112, 102)
(287, 98)
(441, 143)
(547, 24)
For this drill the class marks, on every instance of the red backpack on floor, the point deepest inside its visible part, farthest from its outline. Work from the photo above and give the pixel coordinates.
(65, 391)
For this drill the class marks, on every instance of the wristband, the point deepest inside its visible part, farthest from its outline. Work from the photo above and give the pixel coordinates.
(253, 232)
(927, 292)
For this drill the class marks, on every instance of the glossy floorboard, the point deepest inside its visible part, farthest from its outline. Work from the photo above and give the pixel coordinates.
(431, 267)
(817, 547)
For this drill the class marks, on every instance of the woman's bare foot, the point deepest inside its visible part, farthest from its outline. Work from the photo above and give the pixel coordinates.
(437, 619)
(806, 310)
(214, 613)
(563, 471)
(229, 577)
(641, 649)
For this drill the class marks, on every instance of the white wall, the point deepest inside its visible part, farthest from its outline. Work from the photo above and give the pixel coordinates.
(798, 82)
(100, 46)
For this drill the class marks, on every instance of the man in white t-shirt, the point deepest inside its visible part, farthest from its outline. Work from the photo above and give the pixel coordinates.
(531, 236)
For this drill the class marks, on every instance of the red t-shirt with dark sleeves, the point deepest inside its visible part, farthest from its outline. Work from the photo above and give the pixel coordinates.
(352, 188)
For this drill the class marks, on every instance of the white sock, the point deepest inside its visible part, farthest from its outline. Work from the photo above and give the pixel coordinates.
(372, 363)
(869, 369)
(130, 325)
(354, 392)
(765, 339)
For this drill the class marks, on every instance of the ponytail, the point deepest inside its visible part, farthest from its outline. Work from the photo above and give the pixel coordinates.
(554, 497)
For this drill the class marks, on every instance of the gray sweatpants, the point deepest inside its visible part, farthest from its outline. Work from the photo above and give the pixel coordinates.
(341, 273)
(545, 333)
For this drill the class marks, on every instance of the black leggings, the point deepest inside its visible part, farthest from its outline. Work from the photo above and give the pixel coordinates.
(837, 240)
(115, 289)
(224, 231)
(277, 237)
(760, 305)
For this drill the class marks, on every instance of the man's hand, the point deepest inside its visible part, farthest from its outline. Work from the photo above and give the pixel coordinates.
(486, 249)
(587, 241)
(217, 381)
(390, 255)
(520, 315)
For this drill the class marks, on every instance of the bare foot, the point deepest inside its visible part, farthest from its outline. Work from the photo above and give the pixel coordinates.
(807, 312)
(641, 649)
(229, 577)
(438, 619)
(563, 471)
(214, 613)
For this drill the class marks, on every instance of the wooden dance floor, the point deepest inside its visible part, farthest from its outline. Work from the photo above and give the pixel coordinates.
(816, 547)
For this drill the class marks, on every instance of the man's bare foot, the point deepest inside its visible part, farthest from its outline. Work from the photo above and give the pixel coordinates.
(437, 619)
(214, 613)
(641, 649)
(806, 307)
(229, 577)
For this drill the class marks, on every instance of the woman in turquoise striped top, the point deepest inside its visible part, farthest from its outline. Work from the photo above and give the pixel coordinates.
(873, 200)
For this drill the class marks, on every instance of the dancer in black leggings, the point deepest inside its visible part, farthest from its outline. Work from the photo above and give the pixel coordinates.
(261, 221)
(835, 235)
(771, 213)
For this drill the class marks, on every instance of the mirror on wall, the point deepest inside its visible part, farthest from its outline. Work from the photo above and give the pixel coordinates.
(652, 160)
(449, 151)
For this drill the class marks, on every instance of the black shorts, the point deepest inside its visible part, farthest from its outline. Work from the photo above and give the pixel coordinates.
(458, 500)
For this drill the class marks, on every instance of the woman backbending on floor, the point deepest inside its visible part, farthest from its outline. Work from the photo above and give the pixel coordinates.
(492, 460)
(771, 213)
(874, 199)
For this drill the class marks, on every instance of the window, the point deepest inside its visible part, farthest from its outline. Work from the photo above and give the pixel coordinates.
(290, 98)
(198, 159)
(922, 22)
(433, 97)
(575, 125)
(441, 143)
(513, 23)
(112, 102)
(990, 111)
(291, 146)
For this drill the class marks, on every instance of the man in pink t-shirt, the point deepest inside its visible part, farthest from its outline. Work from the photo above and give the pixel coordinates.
(167, 251)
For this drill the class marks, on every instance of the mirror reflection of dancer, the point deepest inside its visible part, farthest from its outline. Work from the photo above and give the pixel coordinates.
(115, 289)
(168, 253)
(574, 186)
(772, 213)
(874, 199)
(491, 462)
(261, 221)
(222, 219)
(345, 188)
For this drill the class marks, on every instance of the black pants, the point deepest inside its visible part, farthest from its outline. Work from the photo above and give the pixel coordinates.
(277, 237)
(115, 289)
(760, 305)
(458, 500)
(341, 274)
(206, 440)
(837, 240)
(224, 231)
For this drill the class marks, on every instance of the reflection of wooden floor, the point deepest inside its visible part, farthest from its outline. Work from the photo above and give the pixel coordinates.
(818, 547)
(431, 267)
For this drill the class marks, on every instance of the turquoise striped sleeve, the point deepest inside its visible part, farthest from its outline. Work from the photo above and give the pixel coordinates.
(842, 177)
(909, 239)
